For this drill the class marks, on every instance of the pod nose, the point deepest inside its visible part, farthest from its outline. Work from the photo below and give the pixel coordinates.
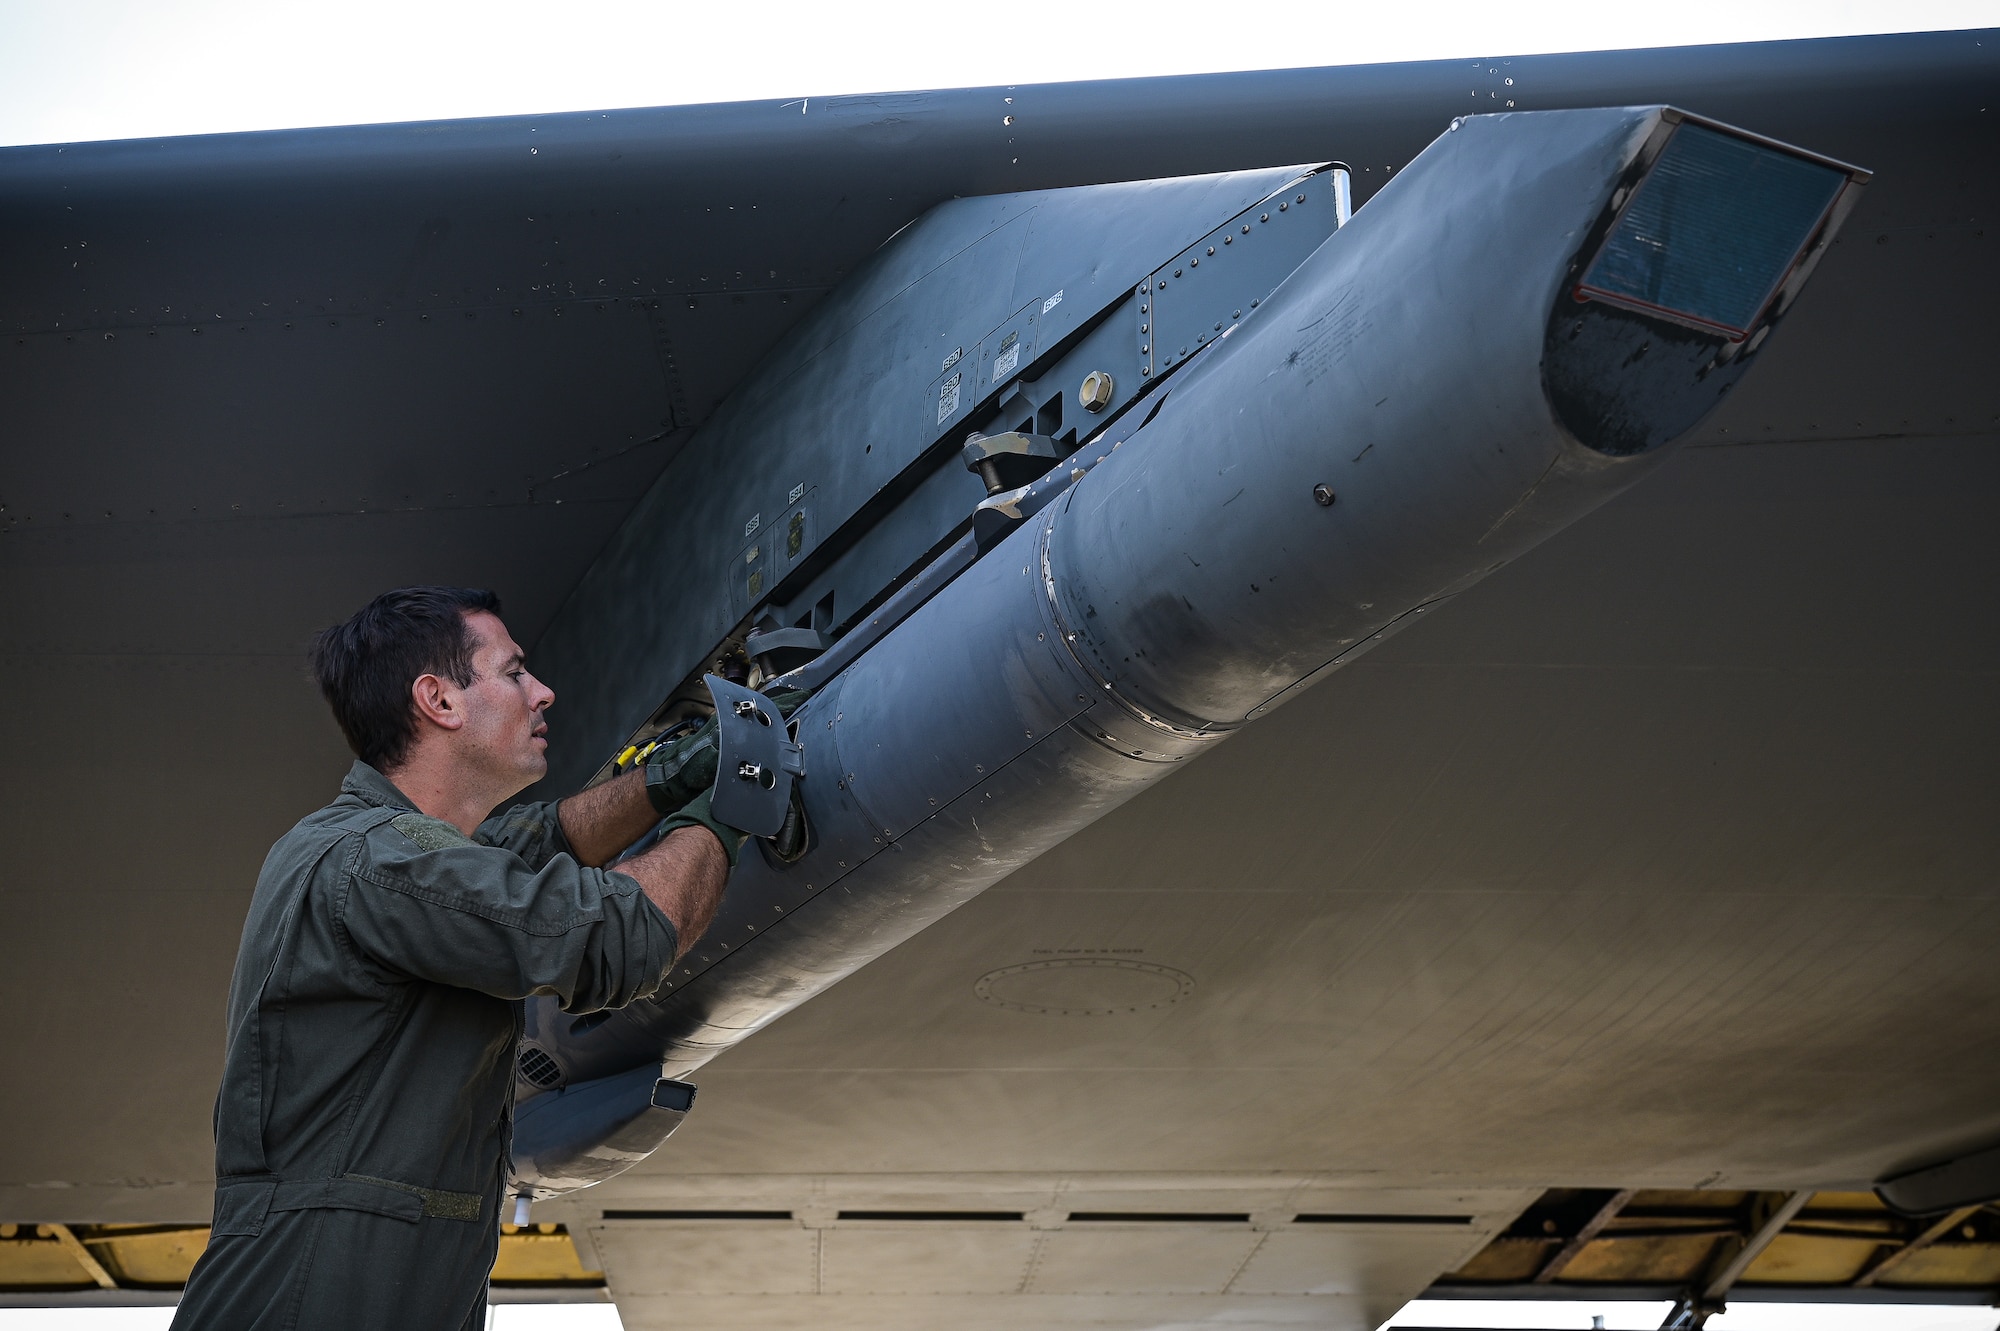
(1699, 253)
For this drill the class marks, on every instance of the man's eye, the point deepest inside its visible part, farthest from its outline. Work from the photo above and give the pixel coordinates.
(516, 674)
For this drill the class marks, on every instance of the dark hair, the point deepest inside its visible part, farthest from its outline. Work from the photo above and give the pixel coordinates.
(365, 667)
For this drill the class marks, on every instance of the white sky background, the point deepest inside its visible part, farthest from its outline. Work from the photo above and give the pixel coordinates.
(100, 69)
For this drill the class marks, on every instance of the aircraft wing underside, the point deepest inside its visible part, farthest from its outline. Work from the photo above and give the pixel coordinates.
(1660, 865)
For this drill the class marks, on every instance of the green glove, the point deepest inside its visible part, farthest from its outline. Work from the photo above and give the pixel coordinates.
(789, 701)
(696, 814)
(681, 769)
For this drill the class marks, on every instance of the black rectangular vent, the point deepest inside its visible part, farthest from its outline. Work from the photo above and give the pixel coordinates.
(1340, 1218)
(1159, 1217)
(931, 1215)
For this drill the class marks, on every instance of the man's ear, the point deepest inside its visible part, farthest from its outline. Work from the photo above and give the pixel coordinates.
(436, 702)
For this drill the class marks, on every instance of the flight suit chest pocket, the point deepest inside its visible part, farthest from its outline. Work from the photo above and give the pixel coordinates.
(241, 1205)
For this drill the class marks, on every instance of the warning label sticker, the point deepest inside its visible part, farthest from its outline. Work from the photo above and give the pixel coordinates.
(948, 398)
(1009, 357)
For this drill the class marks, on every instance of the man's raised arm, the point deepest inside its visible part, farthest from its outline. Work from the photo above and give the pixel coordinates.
(683, 874)
(601, 821)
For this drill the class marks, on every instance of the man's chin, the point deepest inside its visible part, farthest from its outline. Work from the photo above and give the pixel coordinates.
(532, 768)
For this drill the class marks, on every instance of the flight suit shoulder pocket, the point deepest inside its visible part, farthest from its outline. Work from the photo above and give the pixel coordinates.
(430, 833)
(241, 1205)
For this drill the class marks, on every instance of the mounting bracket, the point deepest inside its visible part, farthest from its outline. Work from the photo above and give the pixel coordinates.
(756, 760)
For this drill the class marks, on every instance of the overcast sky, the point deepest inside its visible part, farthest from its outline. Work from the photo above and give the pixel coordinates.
(100, 69)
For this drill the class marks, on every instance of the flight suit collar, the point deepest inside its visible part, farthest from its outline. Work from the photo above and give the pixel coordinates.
(371, 787)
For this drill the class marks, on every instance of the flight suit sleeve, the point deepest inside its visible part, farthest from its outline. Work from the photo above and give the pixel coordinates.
(531, 831)
(422, 899)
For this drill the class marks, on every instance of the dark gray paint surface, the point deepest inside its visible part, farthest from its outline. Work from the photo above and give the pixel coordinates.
(1668, 854)
(843, 416)
(1195, 580)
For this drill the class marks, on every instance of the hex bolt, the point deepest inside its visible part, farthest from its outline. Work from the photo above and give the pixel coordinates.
(1323, 496)
(1095, 394)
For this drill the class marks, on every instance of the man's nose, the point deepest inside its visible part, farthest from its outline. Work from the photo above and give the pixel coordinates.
(545, 697)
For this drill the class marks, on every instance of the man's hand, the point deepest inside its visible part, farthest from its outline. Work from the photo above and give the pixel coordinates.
(789, 701)
(696, 813)
(681, 769)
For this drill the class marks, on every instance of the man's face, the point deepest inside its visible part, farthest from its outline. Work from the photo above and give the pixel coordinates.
(504, 734)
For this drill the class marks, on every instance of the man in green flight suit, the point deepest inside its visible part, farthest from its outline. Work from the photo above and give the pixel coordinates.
(362, 1128)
